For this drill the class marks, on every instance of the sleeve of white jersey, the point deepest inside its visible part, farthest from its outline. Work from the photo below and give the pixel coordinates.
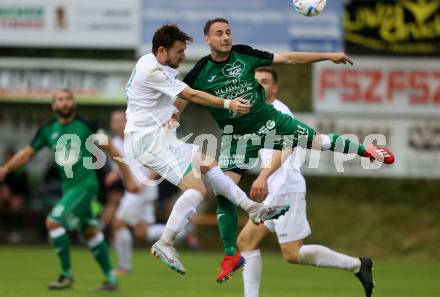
(160, 81)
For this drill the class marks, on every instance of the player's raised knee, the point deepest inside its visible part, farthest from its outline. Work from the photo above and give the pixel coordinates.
(140, 233)
(117, 224)
(290, 253)
(244, 241)
(89, 232)
(51, 225)
(201, 189)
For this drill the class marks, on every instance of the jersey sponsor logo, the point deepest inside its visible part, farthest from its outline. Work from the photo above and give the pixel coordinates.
(234, 70)
(270, 125)
(211, 79)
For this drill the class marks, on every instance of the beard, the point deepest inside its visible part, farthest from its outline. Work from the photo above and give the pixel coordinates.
(173, 65)
(65, 113)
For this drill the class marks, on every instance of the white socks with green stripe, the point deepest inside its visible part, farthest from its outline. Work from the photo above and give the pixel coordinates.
(61, 242)
(99, 248)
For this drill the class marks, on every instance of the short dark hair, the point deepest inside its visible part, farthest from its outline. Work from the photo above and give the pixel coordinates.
(269, 70)
(166, 36)
(212, 21)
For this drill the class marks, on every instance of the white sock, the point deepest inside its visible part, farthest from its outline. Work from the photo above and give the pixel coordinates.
(155, 231)
(183, 210)
(95, 240)
(252, 273)
(326, 142)
(322, 256)
(123, 244)
(225, 186)
(55, 233)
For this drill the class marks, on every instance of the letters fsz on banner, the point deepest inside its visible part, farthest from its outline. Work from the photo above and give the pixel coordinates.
(391, 86)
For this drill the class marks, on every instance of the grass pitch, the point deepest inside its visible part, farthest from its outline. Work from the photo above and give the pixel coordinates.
(25, 272)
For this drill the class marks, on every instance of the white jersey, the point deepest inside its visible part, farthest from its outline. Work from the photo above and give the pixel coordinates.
(151, 92)
(288, 178)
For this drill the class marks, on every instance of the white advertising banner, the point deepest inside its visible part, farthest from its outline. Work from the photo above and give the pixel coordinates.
(398, 86)
(415, 143)
(64, 23)
(34, 80)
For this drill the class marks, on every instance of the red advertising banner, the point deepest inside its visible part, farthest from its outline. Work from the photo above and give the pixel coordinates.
(378, 85)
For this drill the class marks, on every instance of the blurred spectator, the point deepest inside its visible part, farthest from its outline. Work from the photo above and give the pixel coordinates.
(14, 192)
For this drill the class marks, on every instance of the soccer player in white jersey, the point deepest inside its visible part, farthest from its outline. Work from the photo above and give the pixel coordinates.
(287, 186)
(136, 210)
(151, 141)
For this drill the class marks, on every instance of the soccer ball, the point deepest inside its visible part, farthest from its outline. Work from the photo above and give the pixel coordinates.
(309, 7)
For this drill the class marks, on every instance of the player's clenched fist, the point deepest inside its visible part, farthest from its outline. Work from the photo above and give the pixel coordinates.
(239, 105)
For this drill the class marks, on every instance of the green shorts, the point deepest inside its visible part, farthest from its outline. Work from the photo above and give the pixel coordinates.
(276, 131)
(74, 210)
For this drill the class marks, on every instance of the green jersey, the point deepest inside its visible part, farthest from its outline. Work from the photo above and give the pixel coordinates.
(233, 78)
(67, 141)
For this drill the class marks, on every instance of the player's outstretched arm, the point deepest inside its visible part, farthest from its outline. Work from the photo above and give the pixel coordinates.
(237, 105)
(130, 184)
(19, 159)
(309, 57)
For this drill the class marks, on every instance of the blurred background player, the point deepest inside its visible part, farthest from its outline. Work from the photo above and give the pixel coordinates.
(136, 210)
(287, 186)
(66, 137)
(228, 71)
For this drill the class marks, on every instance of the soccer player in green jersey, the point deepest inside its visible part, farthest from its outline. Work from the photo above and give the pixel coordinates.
(72, 140)
(228, 72)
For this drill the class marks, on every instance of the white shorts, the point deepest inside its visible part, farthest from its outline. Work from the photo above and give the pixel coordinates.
(161, 151)
(293, 225)
(138, 207)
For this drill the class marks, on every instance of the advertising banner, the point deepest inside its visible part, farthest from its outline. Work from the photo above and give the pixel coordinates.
(415, 144)
(393, 27)
(263, 24)
(34, 80)
(376, 86)
(73, 24)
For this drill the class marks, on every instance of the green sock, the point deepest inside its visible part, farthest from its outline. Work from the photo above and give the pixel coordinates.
(339, 142)
(227, 219)
(100, 250)
(62, 247)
